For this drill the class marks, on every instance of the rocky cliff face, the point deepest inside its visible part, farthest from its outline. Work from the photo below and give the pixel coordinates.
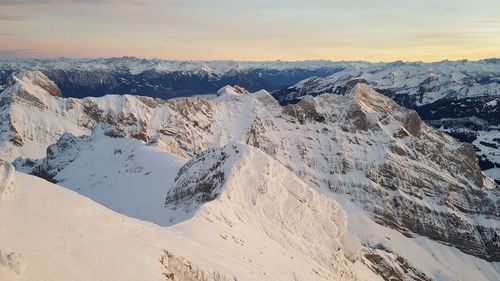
(365, 145)
(460, 98)
(362, 145)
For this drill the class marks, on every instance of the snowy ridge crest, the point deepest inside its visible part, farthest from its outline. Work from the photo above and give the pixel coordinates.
(35, 79)
(241, 185)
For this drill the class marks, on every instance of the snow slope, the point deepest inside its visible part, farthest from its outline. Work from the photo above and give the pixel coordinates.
(234, 237)
(124, 175)
(76, 238)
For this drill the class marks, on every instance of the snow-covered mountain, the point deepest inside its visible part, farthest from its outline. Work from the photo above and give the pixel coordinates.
(461, 98)
(458, 97)
(241, 235)
(230, 238)
(165, 78)
(248, 189)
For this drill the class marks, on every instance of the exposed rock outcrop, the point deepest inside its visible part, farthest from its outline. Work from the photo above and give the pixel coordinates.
(7, 178)
(232, 90)
(177, 268)
(37, 79)
(13, 262)
(406, 174)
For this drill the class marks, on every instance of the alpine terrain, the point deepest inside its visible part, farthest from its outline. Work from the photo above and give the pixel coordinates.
(461, 98)
(342, 185)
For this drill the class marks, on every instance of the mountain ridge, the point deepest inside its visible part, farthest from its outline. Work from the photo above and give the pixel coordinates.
(383, 164)
(459, 98)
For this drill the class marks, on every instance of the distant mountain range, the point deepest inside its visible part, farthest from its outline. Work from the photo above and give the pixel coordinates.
(167, 79)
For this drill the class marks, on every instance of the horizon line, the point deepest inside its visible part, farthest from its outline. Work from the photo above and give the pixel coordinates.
(248, 61)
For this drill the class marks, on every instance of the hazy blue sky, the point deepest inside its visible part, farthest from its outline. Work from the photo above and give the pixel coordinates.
(384, 30)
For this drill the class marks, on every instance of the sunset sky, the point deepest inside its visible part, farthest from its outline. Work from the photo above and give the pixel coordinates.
(370, 30)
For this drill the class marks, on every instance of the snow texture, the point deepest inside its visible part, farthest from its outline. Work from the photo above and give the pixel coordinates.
(252, 188)
(240, 187)
(234, 237)
(361, 139)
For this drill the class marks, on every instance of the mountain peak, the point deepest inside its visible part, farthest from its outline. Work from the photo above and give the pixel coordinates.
(371, 101)
(377, 107)
(232, 90)
(35, 79)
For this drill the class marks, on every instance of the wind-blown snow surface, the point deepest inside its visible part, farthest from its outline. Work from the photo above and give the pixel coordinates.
(396, 170)
(78, 239)
(123, 174)
(234, 237)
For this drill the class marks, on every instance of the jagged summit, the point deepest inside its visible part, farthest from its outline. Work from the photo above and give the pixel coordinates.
(34, 81)
(232, 90)
(360, 107)
(379, 108)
